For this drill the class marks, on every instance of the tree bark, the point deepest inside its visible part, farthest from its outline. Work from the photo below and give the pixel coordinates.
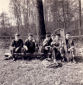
(41, 29)
(80, 17)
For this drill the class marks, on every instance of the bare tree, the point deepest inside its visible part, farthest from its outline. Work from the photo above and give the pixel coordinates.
(5, 23)
(80, 16)
(16, 9)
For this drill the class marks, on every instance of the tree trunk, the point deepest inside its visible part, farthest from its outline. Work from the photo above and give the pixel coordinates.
(80, 17)
(41, 29)
(64, 15)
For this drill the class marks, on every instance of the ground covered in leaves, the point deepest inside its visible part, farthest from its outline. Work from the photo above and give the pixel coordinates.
(34, 72)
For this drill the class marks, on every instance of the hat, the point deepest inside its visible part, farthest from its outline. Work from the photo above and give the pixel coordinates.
(58, 34)
(48, 35)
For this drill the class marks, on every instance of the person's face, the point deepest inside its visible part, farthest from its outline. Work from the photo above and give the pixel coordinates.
(52, 37)
(48, 38)
(67, 36)
(30, 38)
(57, 37)
(16, 37)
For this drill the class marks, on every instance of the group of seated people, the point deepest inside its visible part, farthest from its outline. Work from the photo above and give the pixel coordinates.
(51, 44)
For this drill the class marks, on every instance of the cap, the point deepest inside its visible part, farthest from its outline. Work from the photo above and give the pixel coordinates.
(58, 34)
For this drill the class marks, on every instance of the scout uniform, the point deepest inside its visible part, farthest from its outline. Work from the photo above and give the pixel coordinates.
(46, 44)
(29, 44)
(16, 45)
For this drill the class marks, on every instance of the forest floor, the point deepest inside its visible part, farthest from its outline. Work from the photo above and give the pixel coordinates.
(24, 72)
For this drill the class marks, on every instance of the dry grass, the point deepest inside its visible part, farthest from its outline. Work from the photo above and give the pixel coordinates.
(34, 73)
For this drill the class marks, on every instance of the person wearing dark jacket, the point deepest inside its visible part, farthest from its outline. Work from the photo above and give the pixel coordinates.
(70, 46)
(46, 44)
(16, 46)
(29, 44)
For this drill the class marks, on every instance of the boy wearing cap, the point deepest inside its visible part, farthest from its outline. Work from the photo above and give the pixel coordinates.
(17, 45)
(29, 45)
(46, 44)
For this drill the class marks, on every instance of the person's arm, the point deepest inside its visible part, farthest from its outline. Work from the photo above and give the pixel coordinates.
(12, 46)
(34, 46)
(72, 44)
(53, 43)
(44, 42)
(20, 45)
(13, 43)
(25, 45)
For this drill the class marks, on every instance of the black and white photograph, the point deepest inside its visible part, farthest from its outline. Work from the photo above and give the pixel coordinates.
(41, 42)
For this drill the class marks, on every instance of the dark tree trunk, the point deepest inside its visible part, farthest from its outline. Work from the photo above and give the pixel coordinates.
(41, 29)
(80, 17)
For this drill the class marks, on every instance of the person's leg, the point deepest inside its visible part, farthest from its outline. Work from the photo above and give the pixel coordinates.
(25, 54)
(72, 55)
(45, 52)
(58, 56)
(63, 54)
(13, 55)
(54, 54)
(68, 56)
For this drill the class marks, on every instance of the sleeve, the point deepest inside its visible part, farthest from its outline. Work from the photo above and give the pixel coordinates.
(13, 43)
(26, 42)
(51, 40)
(34, 46)
(72, 44)
(45, 43)
(52, 43)
(21, 41)
(61, 43)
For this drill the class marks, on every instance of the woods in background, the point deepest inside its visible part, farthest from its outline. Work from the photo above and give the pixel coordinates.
(41, 16)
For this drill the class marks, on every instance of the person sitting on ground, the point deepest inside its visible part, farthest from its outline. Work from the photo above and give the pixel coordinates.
(70, 46)
(46, 44)
(56, 48)
(16, 46)
(29, 44)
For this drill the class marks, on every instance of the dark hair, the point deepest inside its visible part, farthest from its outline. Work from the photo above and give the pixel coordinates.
(30, 34)
(68, 33)
(58, 35)
(48, 35)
